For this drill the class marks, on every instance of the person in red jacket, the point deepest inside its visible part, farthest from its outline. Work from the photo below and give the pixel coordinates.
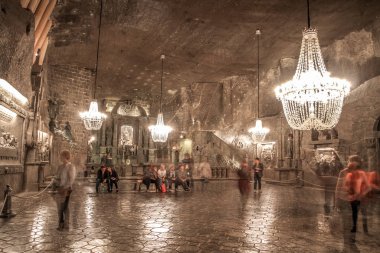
(357, 188)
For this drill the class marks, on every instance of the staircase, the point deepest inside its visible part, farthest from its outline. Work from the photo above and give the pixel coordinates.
(224, 158)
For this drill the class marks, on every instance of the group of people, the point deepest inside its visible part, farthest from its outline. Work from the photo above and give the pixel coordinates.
(354, 190)
(248, 172)
(164, 178)
(107, 177)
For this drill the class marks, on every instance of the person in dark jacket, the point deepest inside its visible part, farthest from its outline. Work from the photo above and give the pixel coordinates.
(113, 179)
(101, 177)
(257, 169)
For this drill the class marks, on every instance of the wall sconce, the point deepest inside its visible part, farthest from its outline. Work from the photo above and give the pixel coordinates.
(4, 85)
(6, 115)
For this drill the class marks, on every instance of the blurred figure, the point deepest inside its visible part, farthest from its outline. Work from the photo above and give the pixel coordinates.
(357, 187)
(182, 178)
(113, 179)
(244, 178)
(171, 175)
(258, 169)
(204, 171)
(64, 181)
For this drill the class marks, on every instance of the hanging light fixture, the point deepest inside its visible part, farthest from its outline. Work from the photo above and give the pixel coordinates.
(159, 131)
(93, 119)
(312, 99)
(258, 132)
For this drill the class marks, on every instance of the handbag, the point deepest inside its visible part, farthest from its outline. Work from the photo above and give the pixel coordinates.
(163, 187)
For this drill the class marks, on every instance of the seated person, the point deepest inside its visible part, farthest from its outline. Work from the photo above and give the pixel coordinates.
(150, 176)
(171, 175)
(113, 179)
(161, 177)
(102, 178)
(182, 178)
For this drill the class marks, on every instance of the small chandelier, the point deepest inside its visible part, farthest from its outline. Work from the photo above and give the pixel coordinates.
(258, 132)
(312, 99)
(159, 131)
(93, 119)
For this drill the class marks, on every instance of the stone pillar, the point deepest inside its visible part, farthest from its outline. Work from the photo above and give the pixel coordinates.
(371, 153)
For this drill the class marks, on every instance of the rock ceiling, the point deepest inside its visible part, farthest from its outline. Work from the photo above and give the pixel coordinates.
(204, 40)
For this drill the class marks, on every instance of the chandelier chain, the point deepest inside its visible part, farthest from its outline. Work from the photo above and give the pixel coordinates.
(308, 15)
(258, 72)
(98, 46)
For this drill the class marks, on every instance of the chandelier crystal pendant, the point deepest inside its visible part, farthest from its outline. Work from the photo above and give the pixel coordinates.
(258, 132)
(312, 99)
(160, 131)
(93, 119)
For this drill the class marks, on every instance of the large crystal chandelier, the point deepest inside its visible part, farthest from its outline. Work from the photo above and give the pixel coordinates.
(93, 119)
(312, 99)
(159, 131)
(258, 132)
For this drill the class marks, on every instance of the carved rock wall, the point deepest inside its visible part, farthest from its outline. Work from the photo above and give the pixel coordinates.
(71, 85)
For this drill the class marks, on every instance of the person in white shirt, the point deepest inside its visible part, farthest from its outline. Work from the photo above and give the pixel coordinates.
(162, 177)
(64, 181)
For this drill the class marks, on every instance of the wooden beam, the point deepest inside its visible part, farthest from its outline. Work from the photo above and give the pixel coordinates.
(38, 43)
(46, 15)
(33, 5)
(24, 3)
(43, 51)
(40, 10)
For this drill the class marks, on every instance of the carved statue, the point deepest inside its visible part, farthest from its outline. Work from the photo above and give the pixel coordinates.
(53, 110)
(108, 136)
(314, 134)
(334, 133)
(289, 146)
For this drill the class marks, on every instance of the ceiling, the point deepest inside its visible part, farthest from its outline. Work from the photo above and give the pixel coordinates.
(204, 41)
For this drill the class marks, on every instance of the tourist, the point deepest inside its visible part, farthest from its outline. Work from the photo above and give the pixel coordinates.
(357, 187)
(244, 178)
(257, 169)
(182, 178)
(113, 179)
(188, 161)
(101, 178)
(64, 181)
(161, 177)
(150, 176)
(171, 175)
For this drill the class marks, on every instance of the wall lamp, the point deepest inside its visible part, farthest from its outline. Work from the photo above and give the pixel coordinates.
(8, 88)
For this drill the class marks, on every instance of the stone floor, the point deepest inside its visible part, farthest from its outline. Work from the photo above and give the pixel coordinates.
(210, 219)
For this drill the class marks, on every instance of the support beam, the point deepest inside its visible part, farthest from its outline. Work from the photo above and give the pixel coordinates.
(33, 4)
(41, 9)
(45, 16)
(43, 51)
(24, 3)
(38, 43)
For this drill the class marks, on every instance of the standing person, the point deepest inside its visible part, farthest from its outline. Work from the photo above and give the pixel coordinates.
(342, 201)
(113, 179)
(357, 187)
(101, 177)
(244, 178)
(64, 181)
(258, 169)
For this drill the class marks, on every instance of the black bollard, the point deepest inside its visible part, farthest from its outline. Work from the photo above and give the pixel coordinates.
(6, 212)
